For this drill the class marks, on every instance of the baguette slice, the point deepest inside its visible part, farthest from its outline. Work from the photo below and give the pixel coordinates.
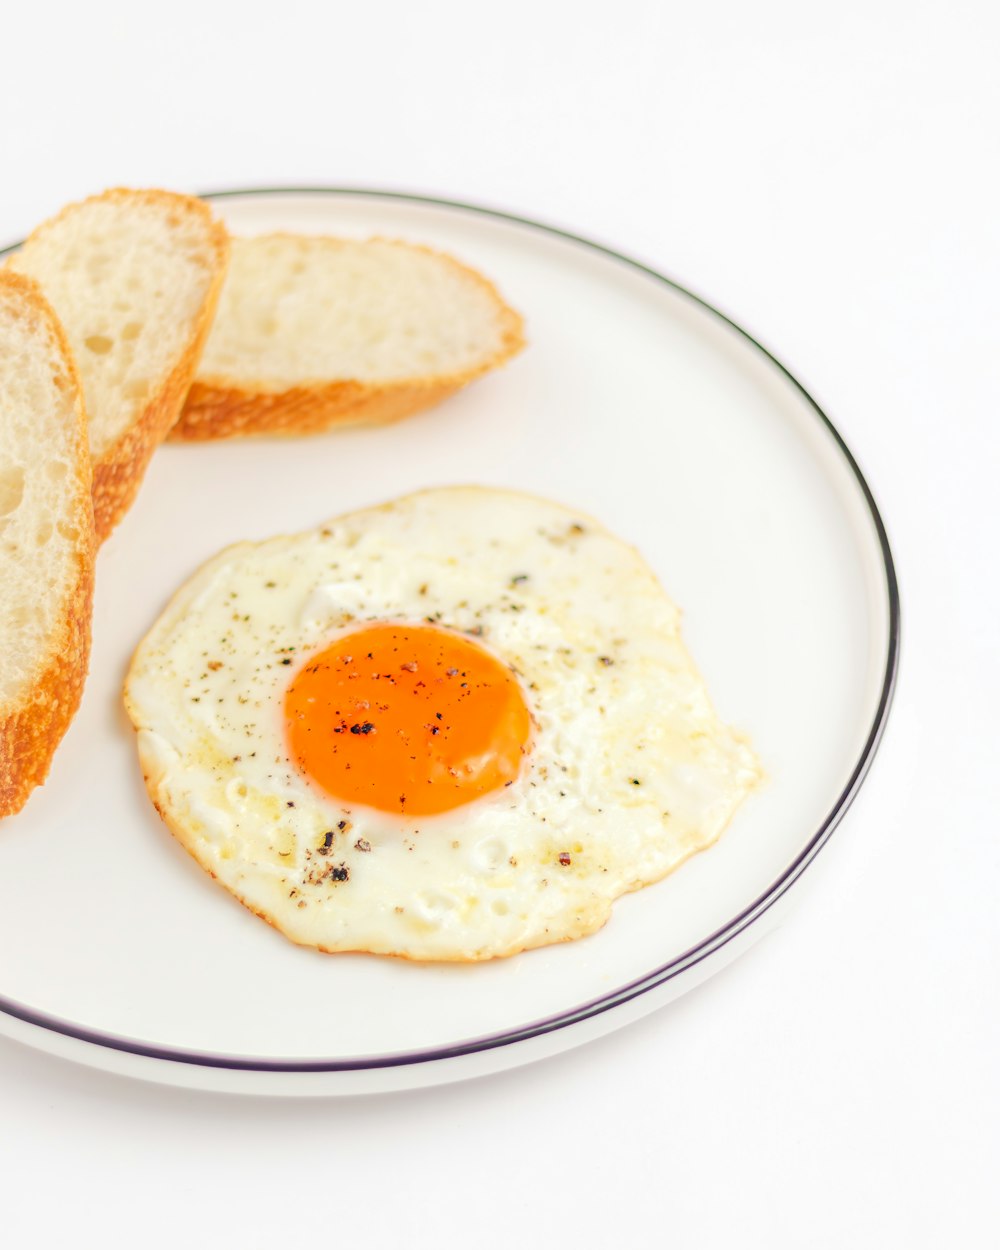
(47, 540)
(134, 276)
(315, 332)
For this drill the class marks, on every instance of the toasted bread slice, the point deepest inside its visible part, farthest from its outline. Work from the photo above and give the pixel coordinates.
(134, 276)
(47, 541)
(316, 332)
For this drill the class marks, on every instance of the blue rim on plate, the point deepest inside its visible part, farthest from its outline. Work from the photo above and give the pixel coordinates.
(696, 954)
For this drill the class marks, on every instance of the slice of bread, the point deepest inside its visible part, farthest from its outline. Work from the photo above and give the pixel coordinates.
(47, 539)
(134, 276)
(316, 332)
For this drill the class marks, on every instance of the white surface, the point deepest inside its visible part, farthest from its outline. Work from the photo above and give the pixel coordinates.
(680, 435)
(827, 179)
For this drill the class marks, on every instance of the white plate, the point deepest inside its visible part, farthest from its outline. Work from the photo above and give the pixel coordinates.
(635, 402)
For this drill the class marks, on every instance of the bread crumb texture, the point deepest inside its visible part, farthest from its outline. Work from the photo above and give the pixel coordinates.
(47, 539)
(135, 277)
(313, 332)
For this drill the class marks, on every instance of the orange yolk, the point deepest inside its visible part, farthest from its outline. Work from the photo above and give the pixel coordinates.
(407, 718)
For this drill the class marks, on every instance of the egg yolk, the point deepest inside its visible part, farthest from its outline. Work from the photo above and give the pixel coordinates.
(407, 718)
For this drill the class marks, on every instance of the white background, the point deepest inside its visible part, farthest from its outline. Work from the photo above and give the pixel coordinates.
(828, 176)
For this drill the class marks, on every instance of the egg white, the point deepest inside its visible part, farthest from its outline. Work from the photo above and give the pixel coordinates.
(629, 773)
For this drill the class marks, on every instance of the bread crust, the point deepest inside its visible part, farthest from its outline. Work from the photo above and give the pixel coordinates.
(220, 407)
(118, 473)
(216, 411)
(32, 727)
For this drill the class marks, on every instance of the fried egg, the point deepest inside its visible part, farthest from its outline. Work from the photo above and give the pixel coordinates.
(452, 727)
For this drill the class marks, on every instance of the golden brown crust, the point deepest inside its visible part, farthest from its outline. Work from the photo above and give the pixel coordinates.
(31, 729)
(175, 200)
(30, 733)
(215, 412)
(218, 407)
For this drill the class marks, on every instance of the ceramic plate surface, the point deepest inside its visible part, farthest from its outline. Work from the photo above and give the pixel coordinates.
(634, 402)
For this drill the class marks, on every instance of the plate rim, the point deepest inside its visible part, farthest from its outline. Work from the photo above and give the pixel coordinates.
(694, 955)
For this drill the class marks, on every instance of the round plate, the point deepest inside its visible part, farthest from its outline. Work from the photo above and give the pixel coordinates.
(635, 402)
